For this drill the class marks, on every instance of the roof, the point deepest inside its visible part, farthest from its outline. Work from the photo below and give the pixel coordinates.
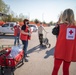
(3, 14)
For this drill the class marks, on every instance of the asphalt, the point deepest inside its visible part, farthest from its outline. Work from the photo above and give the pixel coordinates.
(41, 60)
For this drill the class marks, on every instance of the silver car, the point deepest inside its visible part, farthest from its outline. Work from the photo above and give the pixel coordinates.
(7, 28)
(34, 27)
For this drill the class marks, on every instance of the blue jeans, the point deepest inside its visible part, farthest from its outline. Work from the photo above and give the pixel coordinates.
(16, 40)
(25, 45)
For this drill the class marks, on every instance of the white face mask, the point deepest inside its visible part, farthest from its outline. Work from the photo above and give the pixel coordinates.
(27, 22)
(17, 24)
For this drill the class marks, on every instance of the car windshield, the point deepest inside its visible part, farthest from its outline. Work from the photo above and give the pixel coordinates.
(11, 25)
(5, 25)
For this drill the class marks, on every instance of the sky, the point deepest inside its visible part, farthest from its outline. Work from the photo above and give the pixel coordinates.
(43, 10)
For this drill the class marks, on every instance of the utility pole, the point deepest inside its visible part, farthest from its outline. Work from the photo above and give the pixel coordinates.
(29, 16)
(42, 18)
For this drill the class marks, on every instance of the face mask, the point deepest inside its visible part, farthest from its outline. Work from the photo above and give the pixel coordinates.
(27, 22)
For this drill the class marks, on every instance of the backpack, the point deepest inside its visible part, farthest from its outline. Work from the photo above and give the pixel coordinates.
(55, 30)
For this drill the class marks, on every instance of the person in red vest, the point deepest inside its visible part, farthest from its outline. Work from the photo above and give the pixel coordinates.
(16, 33)
(25, 36)
(65, 50)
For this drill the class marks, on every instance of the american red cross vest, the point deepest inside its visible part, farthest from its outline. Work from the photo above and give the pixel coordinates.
(66, 43)
(24, 36)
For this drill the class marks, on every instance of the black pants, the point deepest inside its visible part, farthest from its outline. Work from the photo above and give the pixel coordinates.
(41, 38)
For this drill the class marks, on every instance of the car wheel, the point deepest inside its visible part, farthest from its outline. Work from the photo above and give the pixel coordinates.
(3, 33)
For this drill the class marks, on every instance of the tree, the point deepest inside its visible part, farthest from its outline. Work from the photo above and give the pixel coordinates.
(4, 8)
(9, 18)
(51, 23)
(36, 21)
(21, 16)
(44, 22)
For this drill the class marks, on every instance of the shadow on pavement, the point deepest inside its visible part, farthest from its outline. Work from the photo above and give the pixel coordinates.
(49, 53)
(36, 49)
(6, 36)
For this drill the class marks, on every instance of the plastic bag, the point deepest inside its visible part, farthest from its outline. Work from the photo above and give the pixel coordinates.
(15, 50)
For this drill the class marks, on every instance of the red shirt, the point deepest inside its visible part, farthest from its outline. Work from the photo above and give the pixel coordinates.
(66, 43)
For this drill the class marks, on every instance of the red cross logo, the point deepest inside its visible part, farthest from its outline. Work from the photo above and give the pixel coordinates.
(70, 32)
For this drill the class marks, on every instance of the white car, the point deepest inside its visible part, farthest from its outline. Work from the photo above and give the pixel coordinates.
(7, 28)
(34, 27)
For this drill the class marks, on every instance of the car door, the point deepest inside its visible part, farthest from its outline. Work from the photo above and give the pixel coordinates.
(11, 28)
(5, 28)
(34, 28)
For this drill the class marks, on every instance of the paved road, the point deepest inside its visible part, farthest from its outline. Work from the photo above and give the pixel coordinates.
(40, 59)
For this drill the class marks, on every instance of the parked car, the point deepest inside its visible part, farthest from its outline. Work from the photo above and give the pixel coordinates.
(34, 27)
(7, 28)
